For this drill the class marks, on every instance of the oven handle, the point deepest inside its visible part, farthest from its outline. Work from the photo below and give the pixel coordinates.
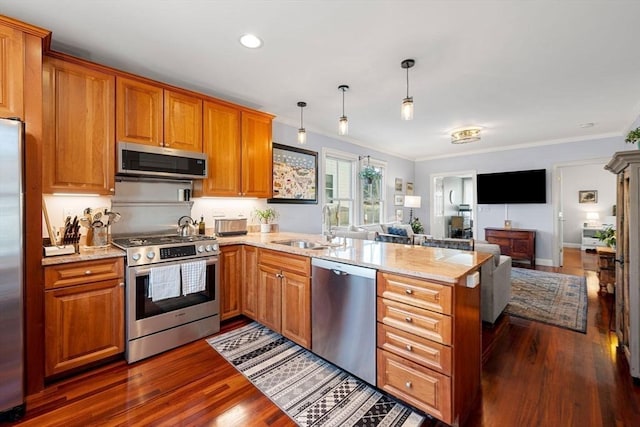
(142, 271)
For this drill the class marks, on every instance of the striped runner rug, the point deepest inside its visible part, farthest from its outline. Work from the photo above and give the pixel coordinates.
(310, 390)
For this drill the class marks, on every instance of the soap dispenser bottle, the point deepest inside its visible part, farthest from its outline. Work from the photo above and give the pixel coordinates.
(201, 225)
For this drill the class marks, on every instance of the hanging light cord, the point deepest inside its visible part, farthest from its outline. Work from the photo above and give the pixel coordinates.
(301, 122)
(343, 102)
(407, 82)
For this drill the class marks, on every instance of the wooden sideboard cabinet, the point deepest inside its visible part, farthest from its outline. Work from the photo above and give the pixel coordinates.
(518, 243)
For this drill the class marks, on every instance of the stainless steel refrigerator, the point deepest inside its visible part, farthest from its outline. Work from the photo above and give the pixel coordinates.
(11, 269)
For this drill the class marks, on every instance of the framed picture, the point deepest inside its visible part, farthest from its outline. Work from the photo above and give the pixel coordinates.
(399, 215)
(588, 196)
(398, 200)
(398, 185)
(295, 175)
(409, 188)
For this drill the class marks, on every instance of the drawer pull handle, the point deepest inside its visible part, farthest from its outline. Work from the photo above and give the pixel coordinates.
(88, 272)
(408, 319)
(409, 347)
(408, 384)
(408, 291)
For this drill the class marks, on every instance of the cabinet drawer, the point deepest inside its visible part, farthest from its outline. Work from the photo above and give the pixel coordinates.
(424, 323)
(77, 273)
(420, 350)
(419, 386)
(420, 293)
(285, 261)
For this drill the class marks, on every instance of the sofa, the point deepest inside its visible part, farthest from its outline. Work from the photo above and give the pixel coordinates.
(495, 281)
(393, 232)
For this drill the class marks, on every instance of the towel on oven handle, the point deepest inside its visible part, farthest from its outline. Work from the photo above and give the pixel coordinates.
(164, 282)
(194, 275)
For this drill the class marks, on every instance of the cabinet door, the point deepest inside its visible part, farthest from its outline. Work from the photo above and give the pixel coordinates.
(231, 279)
(257, 157)
(296, 308)
(139, 112)
(79, 124)
(250, 282)
(182, 121)
(11, 72)
(269, 297)
(84, 324)
(221, 143)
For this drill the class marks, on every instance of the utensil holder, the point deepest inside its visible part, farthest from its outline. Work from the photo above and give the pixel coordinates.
(98, 236)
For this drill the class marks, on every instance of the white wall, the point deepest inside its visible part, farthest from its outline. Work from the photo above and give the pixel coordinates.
(585, 177)
(533, 216)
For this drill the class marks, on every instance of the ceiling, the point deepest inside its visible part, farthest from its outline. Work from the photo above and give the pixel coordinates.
(527, 72)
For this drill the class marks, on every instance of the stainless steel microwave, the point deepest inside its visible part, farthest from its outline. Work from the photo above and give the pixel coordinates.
(161, 162)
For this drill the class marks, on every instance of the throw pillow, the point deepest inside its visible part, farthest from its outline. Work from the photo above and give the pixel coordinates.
(397, 231)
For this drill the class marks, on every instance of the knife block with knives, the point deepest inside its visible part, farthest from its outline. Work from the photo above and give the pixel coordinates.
(68, 243)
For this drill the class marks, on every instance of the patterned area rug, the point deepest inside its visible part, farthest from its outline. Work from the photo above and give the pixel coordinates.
(556, 299)
(310, 390)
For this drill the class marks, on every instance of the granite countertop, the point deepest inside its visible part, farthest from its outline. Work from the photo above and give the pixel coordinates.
(445, 265)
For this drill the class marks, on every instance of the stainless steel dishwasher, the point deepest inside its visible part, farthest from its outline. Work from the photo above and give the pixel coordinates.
(343, 316)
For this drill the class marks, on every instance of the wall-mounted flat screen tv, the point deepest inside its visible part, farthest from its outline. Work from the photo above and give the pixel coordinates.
(529, 186)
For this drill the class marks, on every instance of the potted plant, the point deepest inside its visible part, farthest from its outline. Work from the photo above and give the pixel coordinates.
(370, 174)
(265, 217)
(607, 236)
(416, 226)
(633, 136)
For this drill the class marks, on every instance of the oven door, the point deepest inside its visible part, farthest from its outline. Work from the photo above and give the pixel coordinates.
(145, 316)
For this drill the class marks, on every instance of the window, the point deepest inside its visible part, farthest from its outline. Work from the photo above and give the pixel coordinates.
(338, 190)
(351, 200)
(372, 196)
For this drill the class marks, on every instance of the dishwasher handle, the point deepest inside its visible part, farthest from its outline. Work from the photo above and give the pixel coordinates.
(339, 272)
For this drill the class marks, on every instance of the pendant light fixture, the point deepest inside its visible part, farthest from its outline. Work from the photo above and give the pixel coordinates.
(407, 103)
(343, 123)
(302, 133)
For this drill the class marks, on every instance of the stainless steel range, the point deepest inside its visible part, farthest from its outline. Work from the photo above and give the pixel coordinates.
(172, 295)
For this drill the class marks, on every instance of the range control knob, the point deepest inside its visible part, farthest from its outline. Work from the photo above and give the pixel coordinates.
(215, 247)
(151, 255)
(136, 256)
(208, 248)
(200, 249)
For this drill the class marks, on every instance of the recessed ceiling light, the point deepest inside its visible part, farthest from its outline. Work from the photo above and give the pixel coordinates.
(587, 125)
(250, 41)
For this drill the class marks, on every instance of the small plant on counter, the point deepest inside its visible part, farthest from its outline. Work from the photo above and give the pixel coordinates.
(265, 216)
(607, 236)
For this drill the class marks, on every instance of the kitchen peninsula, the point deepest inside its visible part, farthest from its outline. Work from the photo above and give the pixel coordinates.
(428, 307)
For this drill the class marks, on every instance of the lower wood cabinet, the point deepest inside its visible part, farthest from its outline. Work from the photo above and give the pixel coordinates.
(249, 299)
(84, 313)
(429, 349)
(230, 281)
(284, 294)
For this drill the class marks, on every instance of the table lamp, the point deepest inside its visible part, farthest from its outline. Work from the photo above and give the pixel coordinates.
(592, 218)
(412, 202)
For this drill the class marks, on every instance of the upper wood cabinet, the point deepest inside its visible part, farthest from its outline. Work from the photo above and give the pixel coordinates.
(150, 115)
(238, 144)
(79, 124)
(11, 72)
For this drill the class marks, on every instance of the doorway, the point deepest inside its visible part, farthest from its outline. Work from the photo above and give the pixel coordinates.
(453, 204)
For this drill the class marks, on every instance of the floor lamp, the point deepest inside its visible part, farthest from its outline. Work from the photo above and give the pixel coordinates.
(412, 202)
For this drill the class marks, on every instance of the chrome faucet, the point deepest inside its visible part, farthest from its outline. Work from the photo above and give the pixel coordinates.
(326, 223)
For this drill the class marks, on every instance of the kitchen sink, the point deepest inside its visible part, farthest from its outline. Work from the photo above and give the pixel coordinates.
(302, 244)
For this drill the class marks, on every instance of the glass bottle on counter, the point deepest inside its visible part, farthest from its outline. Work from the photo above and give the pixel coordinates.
(201, 225)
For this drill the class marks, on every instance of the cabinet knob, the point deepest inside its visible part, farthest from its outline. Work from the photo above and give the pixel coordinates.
(88, 272)
(409, 347)
(121, 284)
(408, 291)
(408, 384)
(408, 319)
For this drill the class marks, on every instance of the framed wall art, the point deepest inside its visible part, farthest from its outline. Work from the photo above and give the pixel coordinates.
(588, 196)
(295, 175)
(398, 200)
(409, 188)
(398, 185)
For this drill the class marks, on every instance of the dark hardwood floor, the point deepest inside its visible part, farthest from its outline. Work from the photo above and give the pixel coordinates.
(533, 375)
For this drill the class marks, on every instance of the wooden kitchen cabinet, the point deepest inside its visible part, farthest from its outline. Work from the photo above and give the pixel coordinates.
(151, 115)
(245, 139)
(428, 339)
(11, 72)
(249, 297)
(230, 281)
(79, 129)
(284, 294)
(84, 313)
